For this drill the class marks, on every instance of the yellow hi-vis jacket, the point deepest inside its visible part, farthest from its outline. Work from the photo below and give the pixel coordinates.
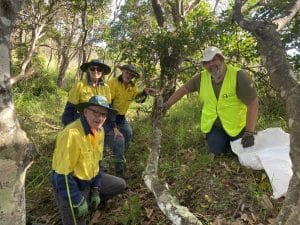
(82, 92)
(228, 107)
(121, 96)
(76, 153)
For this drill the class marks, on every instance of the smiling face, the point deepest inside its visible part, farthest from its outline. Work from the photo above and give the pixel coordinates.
(95, 116)
(126, 76)
(216, 67)
(95, 73)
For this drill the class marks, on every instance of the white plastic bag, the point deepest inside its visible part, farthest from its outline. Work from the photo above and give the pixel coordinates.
(271, 153)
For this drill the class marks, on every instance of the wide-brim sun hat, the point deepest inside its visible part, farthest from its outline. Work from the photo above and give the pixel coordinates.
(96, 62)
(131, 69)
(209, 53)
(97, 100)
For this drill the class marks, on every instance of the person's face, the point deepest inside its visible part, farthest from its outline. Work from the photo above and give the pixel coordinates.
(95, 72)
(127, 76)
(95, 116)
(215, 66)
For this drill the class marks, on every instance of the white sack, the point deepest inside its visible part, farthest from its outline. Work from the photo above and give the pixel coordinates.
(271, 153)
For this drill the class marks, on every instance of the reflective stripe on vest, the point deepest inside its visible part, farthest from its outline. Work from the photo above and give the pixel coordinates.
(229, 108)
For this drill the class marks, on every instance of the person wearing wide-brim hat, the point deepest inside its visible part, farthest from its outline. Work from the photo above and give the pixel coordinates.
(123, 91)
(131, 69)
(79, 183)
(92, 84)
(105, 69)
(229, 99)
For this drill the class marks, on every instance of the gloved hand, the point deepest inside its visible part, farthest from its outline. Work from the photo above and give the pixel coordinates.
(248, 139)
(81, 210)
(95, 199)
(163, 107)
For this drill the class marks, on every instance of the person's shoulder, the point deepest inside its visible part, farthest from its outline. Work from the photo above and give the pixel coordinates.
(244, 76)
(105, 84)
(242, 72)
(113, 81)
(72, 127)
(80, 83)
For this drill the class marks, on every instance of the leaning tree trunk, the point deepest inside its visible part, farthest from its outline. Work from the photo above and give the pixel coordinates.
(168, 204)
(284, 80)
(14, 145)
(63, 66)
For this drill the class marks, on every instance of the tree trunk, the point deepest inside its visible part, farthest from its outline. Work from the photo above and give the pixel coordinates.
(284, 81)
(63, 66)
(167, 203)
(36, 35)
(15, 148)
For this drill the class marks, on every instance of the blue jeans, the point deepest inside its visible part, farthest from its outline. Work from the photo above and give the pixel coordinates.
(125, 128)
(117, 145)
(218, 140)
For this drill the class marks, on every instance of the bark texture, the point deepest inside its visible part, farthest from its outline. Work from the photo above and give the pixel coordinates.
(284, 81)
(168, 204)
(15, 148)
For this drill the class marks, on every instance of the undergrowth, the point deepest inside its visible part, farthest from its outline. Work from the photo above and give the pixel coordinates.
(209, 187)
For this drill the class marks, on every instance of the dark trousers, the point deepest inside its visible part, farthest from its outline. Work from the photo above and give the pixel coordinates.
(110, 186)
(218, 140)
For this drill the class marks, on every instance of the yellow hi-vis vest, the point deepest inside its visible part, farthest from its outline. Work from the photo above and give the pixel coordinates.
(229, 108)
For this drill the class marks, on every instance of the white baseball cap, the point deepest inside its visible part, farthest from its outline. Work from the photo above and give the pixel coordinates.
(209, 53)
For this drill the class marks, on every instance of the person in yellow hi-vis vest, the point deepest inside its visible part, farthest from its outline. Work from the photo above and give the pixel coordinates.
(79, 183)
(230, 102)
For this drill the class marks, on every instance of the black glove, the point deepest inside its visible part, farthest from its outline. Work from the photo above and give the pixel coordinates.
(248, 139)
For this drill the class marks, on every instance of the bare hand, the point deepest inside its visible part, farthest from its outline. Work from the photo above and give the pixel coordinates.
(150, 91)
(118, 134)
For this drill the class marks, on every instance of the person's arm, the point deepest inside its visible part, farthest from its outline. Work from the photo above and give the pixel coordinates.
(246, 91)
(177, 95)
(141, 96)
(70, 114)
(251, 116)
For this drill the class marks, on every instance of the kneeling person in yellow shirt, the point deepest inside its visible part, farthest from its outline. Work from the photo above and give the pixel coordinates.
(78, 181)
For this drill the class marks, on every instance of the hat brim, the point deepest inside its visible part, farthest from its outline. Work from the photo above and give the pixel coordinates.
(111, 111)
(106, 69)
(134, 73)
(210, 57)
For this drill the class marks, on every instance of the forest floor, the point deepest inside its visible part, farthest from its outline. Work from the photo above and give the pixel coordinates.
(218, 190)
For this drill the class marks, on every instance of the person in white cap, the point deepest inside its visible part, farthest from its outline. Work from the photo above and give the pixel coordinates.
(230, 102)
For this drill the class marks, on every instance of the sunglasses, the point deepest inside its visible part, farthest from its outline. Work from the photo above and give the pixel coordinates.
(94, 68)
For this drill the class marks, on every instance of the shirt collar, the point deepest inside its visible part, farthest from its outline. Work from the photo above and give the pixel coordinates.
(99, 83)
(86, 126)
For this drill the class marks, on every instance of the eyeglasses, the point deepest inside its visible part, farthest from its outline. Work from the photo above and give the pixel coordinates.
(97, 113)
(94, 68)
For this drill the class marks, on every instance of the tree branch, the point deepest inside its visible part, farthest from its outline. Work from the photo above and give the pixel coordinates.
(159, 12)
(290, 13)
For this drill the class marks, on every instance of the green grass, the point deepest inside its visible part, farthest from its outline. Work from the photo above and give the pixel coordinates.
(207, 186)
